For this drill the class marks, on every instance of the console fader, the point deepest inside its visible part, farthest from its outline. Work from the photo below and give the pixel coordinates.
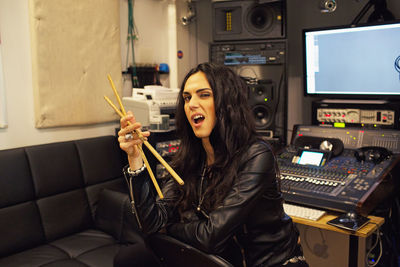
(343, 183)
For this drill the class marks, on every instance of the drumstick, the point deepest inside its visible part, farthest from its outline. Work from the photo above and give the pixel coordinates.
(153, 179)
(147, 144)
(116, 94)
(150, 171)
(152, 150)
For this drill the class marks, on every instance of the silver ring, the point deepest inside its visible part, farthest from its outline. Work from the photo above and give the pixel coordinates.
(128, 136)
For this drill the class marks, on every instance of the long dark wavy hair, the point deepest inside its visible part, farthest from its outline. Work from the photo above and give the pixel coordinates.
(234, 131)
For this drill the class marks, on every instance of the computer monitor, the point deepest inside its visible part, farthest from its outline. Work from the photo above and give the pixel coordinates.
(360, 62)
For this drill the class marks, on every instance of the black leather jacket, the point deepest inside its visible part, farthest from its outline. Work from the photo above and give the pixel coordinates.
(251, 218)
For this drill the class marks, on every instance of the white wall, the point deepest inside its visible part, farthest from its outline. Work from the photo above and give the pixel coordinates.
(3, 111)
(152, 20)
(155, 22)
(198, 35)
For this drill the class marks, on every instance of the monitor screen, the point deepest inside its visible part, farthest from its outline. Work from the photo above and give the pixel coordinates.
(353, 62)
(311, 158)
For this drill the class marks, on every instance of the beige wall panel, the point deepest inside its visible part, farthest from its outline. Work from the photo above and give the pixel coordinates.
(75, 44)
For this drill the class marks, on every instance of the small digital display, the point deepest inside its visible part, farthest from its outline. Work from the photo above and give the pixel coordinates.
(236, 58)
(311, 158)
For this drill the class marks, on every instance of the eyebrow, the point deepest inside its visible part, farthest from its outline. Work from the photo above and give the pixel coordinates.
(197, 91)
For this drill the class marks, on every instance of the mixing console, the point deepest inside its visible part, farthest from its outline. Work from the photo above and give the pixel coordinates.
(342, 184)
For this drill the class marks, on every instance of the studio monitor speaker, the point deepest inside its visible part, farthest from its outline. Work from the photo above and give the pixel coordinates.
(263, 103)
(248, 20)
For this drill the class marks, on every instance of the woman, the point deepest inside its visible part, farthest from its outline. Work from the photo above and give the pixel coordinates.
(230, 200)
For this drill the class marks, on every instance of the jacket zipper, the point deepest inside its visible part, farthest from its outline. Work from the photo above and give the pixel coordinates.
(133, 206)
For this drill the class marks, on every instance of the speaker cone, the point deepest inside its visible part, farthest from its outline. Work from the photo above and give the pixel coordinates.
(259, 19)
(262, 91)
(262, 116)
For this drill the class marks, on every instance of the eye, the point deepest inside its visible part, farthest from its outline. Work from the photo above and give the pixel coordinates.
(205, 94)
(186, 98)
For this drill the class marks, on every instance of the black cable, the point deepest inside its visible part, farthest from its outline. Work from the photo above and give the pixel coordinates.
(380, 13)
(279, 87)
(390, 230)
(378, 239)
(363, 11)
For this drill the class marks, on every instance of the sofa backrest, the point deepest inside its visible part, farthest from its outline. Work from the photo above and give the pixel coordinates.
(50, 191)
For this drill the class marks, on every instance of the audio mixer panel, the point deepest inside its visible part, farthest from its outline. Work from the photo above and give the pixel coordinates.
(343, 182)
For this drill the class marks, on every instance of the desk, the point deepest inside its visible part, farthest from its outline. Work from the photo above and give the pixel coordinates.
(363, 232)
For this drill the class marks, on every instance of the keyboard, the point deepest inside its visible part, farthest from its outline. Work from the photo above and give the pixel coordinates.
(303, 212)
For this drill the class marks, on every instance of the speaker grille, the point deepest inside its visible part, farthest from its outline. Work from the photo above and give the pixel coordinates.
(262, 103)
(263, 117)
(248, 20)
(260, 19)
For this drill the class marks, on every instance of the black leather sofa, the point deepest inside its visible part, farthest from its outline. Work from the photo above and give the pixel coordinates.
(64, 204)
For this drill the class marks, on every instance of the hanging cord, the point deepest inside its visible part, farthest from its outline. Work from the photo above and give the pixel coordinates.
(378, 239)
(132, 36)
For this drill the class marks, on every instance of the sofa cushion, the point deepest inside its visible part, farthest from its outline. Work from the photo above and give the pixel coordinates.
(65, 214)
(66, 263)
(83, 242)
(15, 178)
(38, 256)
(109, 213)
(103, 256)
(92, 248)
(114, 216)
(21, 230)
(88, 248)
(101, 159)
(55, 168)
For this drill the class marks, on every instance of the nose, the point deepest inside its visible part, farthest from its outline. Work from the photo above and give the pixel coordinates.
(193, 103)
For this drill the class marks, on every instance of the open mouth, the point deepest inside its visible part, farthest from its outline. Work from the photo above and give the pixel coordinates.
(198, 119)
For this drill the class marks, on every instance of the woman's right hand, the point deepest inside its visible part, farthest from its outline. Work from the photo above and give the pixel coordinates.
(131, 146)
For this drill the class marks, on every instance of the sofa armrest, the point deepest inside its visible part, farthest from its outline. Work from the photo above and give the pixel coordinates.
(113, 216)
